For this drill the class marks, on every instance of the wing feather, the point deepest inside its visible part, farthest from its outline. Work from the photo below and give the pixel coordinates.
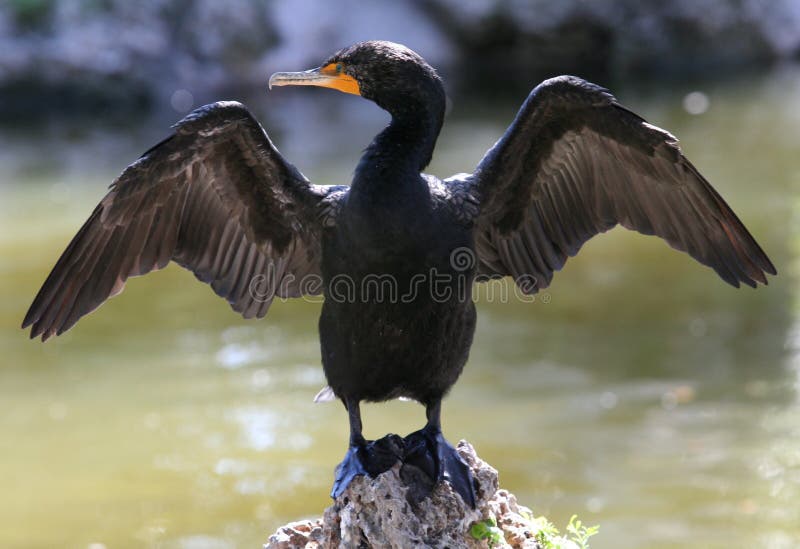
(575, 163)
(217, 198)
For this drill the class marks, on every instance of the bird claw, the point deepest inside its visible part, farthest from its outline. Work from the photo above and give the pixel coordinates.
(425, 449)
(370, 458)
(429, 451)
(351, 466)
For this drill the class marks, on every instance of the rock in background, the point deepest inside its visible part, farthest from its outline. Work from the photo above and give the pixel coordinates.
(118, 58)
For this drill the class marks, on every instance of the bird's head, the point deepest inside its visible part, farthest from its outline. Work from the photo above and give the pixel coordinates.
(396, 78)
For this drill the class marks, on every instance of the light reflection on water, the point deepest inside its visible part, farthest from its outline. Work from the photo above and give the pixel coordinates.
(645, 395)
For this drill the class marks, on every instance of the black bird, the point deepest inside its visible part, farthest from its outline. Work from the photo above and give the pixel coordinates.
(396, 252)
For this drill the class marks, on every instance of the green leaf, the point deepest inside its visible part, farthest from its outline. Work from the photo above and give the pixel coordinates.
(487, 529)
(580, 534)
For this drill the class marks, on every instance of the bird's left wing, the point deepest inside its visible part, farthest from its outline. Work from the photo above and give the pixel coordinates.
(217, 198)
(575, 163)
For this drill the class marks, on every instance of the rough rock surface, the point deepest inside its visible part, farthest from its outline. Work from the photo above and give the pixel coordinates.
(387, 512)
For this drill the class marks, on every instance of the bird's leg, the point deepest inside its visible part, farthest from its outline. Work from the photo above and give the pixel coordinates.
(354, 415)
(363, 457)
(428, 449)
(351, 466)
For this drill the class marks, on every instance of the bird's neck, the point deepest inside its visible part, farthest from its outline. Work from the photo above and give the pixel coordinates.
(402, 150)
(388, 196)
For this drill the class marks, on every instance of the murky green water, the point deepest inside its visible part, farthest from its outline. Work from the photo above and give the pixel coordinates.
(646, 395)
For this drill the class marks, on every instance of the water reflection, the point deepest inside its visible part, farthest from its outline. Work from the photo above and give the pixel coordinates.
(644, 394)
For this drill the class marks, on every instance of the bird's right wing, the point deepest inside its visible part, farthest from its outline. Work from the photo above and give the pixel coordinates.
(215, 197)
(575, 163)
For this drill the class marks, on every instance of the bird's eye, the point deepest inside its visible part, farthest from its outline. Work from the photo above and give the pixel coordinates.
(333, 69)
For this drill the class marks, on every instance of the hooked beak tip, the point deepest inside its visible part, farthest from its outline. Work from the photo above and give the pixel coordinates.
(270, 81)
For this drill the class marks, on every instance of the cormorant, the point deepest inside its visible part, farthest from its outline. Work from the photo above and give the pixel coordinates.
(396, 253)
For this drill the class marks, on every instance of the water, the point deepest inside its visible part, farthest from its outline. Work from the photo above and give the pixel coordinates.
(643, 394)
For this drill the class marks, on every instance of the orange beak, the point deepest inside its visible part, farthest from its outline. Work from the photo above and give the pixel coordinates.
(328, 76)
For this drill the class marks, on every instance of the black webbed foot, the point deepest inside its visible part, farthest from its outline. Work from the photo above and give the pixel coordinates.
(428, 450)
(370, 458)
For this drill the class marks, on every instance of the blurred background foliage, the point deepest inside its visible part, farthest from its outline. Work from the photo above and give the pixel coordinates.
(639, 391)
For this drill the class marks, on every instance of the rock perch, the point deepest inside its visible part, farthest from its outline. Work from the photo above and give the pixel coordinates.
(391, 511)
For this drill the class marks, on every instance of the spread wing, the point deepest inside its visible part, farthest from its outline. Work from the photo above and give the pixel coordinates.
(215, 197)
(575, 163)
